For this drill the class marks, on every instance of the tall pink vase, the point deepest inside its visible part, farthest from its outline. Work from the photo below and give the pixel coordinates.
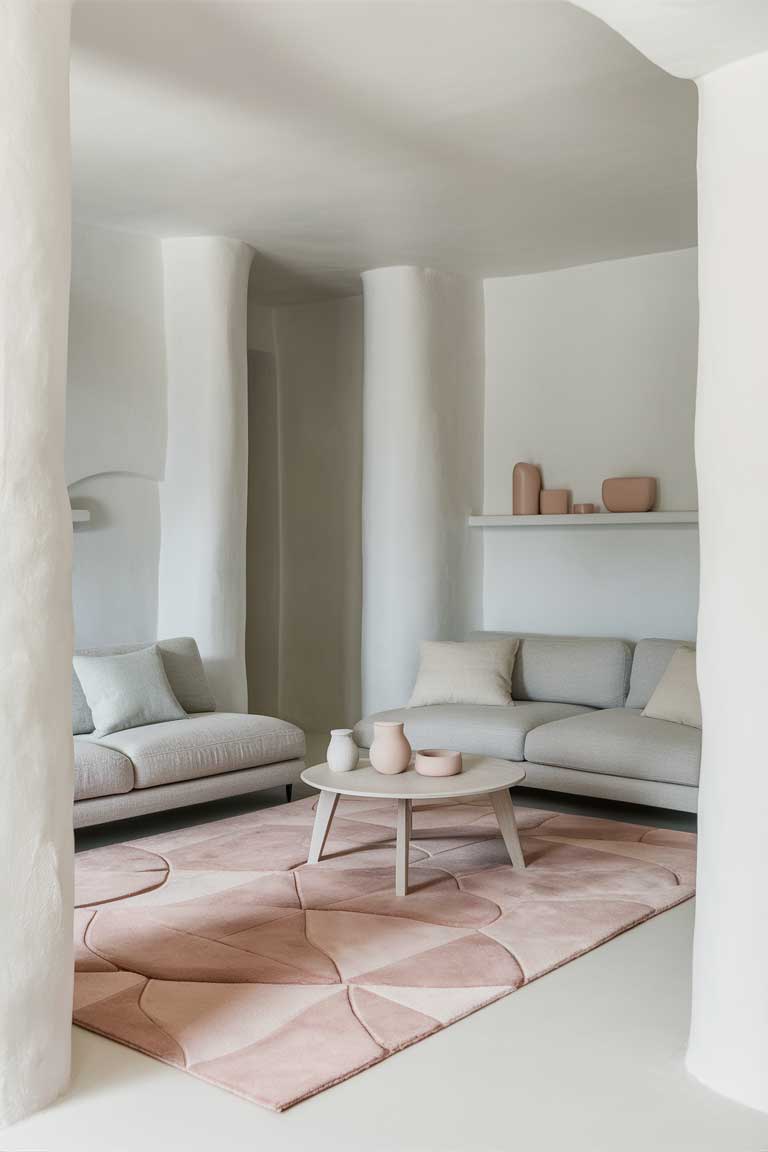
(390, 751)
(526, 486)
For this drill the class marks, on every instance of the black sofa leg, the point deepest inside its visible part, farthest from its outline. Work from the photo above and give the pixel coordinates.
(288, 792)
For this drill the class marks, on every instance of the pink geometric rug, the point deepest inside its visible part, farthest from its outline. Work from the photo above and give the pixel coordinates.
(218, 950)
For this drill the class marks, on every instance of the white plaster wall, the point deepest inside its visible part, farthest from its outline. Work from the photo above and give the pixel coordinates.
(304, 529)
(729, 1034)
(36, 852)
(116, 431)
(203, 496)
(115, 561)
(422, 471)
(116, 418)
(590, 373)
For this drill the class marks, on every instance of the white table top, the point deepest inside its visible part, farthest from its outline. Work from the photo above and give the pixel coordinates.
(481, 774)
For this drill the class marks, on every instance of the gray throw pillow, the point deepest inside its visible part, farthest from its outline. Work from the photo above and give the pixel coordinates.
(183, 667)
(127, 691)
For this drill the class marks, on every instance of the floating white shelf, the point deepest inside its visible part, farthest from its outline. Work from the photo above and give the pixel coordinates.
(80, 515)
(593, 520)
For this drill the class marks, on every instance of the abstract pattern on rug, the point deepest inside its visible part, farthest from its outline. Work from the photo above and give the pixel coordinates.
(217, 949)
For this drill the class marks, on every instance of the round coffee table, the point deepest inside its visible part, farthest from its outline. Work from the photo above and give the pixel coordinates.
(482, 776)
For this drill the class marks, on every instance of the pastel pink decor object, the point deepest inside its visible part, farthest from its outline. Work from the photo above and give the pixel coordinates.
(437, 762)
(554, 502)
(390, 751)
(629, 493)
(583, 509)
(219, 950)
(526, 486)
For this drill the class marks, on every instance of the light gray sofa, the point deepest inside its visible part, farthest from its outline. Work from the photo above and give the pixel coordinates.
(205, 756)
(576, 721)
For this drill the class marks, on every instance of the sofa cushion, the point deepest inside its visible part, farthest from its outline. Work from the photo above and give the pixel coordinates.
(464, 673)
(569, 669)
(648, 666)
(676, 696)
(619, 742)
(100, 771)
(183, 667)
(482, 729)
(128, 690)
(205, 745)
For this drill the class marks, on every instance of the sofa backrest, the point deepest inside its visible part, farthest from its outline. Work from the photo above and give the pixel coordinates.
(183, 667)
(593, 671)
(648, 666)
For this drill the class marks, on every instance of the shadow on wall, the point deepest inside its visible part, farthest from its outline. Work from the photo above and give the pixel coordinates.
(115, 559)
(263, 535)
(304, 512)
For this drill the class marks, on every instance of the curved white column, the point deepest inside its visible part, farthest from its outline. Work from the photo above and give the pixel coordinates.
(35, 560)
(422, 471)
(723, 44)
(203, 496)
(729, 1035)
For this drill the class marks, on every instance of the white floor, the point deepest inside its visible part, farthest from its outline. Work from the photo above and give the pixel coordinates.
(587, 1058)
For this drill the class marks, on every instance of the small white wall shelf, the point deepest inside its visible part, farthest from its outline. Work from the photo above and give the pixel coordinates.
(593, 520)
(80, 515)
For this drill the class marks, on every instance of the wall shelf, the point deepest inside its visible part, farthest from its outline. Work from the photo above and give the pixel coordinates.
(593, 520)
(80, 515)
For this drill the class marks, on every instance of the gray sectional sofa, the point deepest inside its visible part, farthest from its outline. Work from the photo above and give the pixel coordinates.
(205, 756)
(576, 722)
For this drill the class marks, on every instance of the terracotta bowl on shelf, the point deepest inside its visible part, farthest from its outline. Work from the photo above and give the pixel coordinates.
(437, 762)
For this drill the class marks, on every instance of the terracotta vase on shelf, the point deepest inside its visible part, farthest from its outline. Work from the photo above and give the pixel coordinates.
(629, 493)
(390, 751)
(526, 487)
(553, 501)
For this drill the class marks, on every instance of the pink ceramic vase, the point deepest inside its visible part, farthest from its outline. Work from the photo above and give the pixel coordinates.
(526, 486)
(390, 752)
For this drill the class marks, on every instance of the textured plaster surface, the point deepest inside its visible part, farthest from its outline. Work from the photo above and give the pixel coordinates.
(422, 471)
(204, 494)
(729, 1035)
(35, 560)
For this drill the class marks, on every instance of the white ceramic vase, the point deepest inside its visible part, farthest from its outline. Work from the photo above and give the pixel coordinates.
(390, 751)
(343, 753)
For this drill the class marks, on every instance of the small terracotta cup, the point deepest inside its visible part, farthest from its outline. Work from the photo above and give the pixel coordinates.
(583, 509)
(437, 762)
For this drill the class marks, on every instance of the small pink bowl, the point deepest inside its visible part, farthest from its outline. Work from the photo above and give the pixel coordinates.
(437, 762)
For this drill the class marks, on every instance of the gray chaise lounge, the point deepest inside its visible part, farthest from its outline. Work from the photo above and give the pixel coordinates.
(206, 756)
(576, 722)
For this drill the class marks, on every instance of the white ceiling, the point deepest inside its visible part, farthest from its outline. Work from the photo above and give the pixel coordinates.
(472, 136)
(688, 37)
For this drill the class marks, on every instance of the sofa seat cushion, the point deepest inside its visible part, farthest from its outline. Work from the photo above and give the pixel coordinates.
(482, 729)
(205, 745)
(619, 742)
(100, 771)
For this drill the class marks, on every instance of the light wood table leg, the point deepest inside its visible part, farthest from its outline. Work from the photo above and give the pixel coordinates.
(505, 814)
(403, 847)
(326, 806)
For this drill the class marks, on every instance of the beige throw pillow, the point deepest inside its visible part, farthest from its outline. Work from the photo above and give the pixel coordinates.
(469, 673)
(676, 696)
